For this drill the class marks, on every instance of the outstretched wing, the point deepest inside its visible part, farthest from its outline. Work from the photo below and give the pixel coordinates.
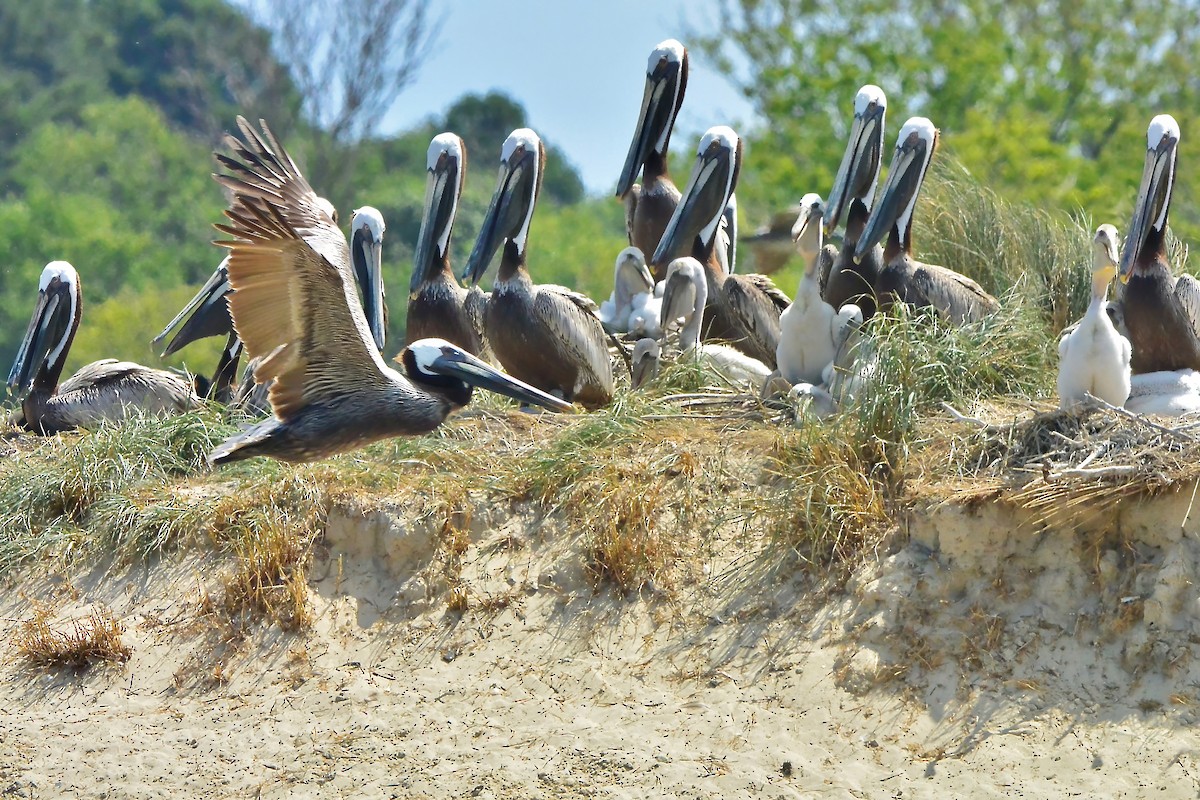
(294, 303)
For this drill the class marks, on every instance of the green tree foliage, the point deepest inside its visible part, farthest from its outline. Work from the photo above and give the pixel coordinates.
(1043, 100)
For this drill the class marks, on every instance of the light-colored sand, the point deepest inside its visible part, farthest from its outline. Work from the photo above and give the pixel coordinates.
(976, 660)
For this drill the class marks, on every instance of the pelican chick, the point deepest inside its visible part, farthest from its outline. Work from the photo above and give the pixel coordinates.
(811, 331)
(547, 336)
(645, 362)
(684, 299)
(632, 283)
(904, 279)
(1094, 357)
(438, 306)
(295, 308)
(1168, 393)
(105, 390)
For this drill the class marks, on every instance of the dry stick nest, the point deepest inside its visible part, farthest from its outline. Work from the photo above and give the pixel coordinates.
(1060, 463)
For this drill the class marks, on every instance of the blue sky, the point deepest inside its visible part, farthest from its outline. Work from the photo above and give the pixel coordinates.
(577, 66)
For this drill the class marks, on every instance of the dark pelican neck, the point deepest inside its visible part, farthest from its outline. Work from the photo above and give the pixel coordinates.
(512, 263)
(1152, 254)
(439, 268)
(856, 222)
(898, 247)
(655, 168)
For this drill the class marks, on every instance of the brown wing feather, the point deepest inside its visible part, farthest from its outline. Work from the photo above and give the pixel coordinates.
(294, 304)
(572, 318)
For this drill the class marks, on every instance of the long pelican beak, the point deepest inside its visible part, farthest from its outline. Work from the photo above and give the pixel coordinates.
(705, 197)
(366, 252)
(437, 223)
(859, 170)
(665, 84)
(1149, 222)
(48, 337)
(454, 362)
(507, 219)
(207, 314)
(914, 150)
(680, 294)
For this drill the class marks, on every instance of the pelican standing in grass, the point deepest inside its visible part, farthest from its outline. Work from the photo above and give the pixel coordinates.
(438, 306)
(1094, 358)
(99, 391)
(685, 297)
(903, 278)
(811, 330)
(849, 280)
(548, 336)
(295, 307)
(742, 309)
(1161, 312)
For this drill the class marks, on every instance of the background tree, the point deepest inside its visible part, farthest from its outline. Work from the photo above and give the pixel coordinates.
(1044, 100)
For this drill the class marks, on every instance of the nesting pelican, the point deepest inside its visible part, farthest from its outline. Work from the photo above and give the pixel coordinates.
(102, 390)
(438, 306)
(684, 300)
(811, 330)
(548, 336)
(1161, 312)
(742, 309)
(295, 307)
(1169, 393)
(850, 280)
(1094, 357)
(903, 278)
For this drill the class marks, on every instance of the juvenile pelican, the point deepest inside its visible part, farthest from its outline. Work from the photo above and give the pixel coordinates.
(547, 336)
(742, 309)
(631, 281)
(1093, 358)
(438, 306)
(903, 278)
(644, 362)
(850, 280)
(649, 207)
(1161, 312)
(1171, 393)
(684, 300)
(102, 390)
(295, 307)
(811, 330)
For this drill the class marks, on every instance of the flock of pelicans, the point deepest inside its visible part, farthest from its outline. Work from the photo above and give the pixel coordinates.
(288, 293)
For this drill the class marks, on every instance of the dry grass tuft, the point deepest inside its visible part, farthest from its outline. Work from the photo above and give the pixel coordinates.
(75, 644)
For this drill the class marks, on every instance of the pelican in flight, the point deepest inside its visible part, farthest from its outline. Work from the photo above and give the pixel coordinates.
(903, 278)
(295, 306)
(849, 280)
(742, 309)
(811, 330)
(685, 297)
(438, 306)
(102, 390)
(1094, 358)
(548, 336)
(1161, 312)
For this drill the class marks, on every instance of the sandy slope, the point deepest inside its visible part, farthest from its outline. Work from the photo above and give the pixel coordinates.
(978, 659)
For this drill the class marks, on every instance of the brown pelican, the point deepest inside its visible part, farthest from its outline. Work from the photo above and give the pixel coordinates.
(438, 306)
(811, 330)
(685, 297)
(295, 306)
(102, 390)
(904, 279)
(547, 336)
(644, 362)
(1161, 312)
(207, 314)
(1094, 358)
(771, 246)
(852, 280)
(742, 309)
(649, 207)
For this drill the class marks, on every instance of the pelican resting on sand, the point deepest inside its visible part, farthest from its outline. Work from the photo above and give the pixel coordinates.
(850, 279)
(684, 299)
(811, 330)
(438, 306)
(102, 390)
(1161, 312)
(1094, 358)
(547, 336)
(294, 306)
(742, 309)
(903, 278)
